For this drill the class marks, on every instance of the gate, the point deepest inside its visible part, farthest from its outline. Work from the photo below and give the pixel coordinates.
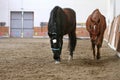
(22, 24)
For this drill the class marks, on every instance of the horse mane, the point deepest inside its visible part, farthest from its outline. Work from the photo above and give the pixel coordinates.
(53, 24)
(54, 12)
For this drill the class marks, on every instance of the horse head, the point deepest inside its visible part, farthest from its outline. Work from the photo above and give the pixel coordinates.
(54, 33)
(95, 20)
(55, 42)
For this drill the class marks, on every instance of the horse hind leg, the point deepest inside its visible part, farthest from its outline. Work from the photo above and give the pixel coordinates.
(72, 44)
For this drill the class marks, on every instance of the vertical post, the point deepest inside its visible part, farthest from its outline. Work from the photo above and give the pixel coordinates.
(22, 25)
(114, 8)
(22, 19)
(9, 19)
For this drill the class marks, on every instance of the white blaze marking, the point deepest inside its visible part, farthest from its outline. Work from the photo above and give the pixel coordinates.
(94, 27)
(54, 40)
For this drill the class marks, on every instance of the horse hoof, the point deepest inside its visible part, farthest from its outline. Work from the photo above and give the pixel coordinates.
(57, 62)
(98, 57)
(70, 58)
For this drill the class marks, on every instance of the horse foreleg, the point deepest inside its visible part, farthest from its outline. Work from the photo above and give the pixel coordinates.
(99, 45)
(98, 52)
(93, 47)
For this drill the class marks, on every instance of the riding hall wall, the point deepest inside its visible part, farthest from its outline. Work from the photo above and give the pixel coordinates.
(4, 31)
(42, 32)
(114, 36)
(81, 31)
(41, 12)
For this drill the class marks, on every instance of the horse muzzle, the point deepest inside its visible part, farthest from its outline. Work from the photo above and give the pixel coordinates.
(56, 54)
(56, 51)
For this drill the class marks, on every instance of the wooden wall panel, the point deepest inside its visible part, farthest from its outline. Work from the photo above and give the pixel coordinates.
(4, 31)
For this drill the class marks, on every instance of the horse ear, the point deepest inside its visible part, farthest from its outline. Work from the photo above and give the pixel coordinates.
(100, 19)
(88, 23)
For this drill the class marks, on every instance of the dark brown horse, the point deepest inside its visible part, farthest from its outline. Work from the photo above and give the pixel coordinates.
(96, 25)
(61, 22)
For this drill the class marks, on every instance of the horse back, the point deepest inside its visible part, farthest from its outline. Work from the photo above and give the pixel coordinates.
(101, 25)
(71, 15)
(70, 21)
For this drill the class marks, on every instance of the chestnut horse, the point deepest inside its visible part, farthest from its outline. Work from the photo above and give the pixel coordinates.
(61, 22)
(96, 25)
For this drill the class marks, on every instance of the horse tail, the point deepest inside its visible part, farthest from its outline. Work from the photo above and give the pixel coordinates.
(72, 37)
(72, 41)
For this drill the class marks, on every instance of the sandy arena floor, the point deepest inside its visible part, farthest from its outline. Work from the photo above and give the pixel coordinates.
(31, 59)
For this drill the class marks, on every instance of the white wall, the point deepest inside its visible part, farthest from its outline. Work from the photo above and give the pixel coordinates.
(113, 11)
(4, 11)
(117, 7)
(82, 7)
(42, 8)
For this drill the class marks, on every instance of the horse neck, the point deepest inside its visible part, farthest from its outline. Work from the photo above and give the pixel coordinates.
(55, 20)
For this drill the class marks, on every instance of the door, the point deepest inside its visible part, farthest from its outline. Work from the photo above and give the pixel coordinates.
(28, 24)
(16, 24)
(22, 24)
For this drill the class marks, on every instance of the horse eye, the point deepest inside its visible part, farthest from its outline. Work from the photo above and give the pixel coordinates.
(49, 34)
